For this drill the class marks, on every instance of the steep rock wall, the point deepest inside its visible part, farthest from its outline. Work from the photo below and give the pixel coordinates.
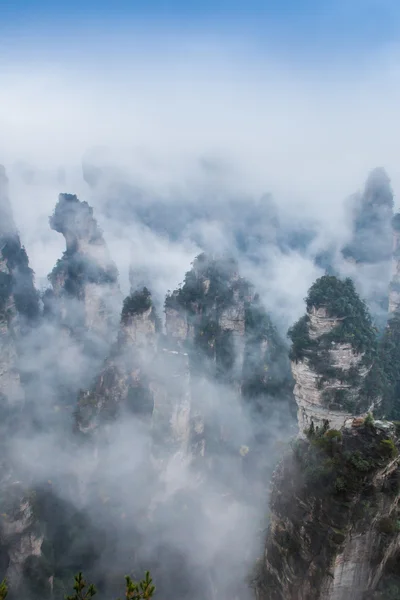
(333, 524)
(20, 537)
(123, 380)
(19, 306)
(309, 390)
(84, 280)
(333, 356)
(144, 377)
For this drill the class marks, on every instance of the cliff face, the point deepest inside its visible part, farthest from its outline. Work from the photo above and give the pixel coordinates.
(18, 298)
(372, 212)
(123, 382)
(144, 377)
(208, 312)
(334, 521)
(217, 334)
(84, 281)
(20, 538)
(333, 356)
(370, 246)
(333, 525)
(217, 318)
(19, 312)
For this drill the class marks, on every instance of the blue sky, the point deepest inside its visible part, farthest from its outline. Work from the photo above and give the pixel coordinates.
(297, 97)
(313, 28)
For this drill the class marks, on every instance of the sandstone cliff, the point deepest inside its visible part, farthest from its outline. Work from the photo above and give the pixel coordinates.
(218, 319)
(85, 293)
(20, 536)
(18, 298)
(333, 356)
(334, 515)
(369, 250)
(123, 381)
(333, 525)
(19, 311)
(142, 376)
(372, 212)
(219, 347)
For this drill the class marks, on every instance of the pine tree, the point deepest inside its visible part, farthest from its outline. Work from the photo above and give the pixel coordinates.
(143, 590)
(3, 590)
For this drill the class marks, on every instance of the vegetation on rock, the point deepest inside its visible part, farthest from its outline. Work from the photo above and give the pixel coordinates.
(325, 488)
(352, 326)
(136, 303)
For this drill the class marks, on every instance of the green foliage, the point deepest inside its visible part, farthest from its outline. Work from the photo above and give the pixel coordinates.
(136, 303)
(388, 525)
(354, 327)
(77, 269)
(193, 294)
(369, 420)
(333, 435)
(325, 439)
(361, 464)
(341, 302)
(5, 291)
(340, 484)
(388, 448)
(340, 461)
(81, 589)
(21, 278)
(338, 536)
(389, 358)
(3, 590)
(143, 590)
(266, 368)
(301, 341)
(209, 288)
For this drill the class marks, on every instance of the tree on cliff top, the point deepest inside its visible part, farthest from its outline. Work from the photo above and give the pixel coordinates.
(351, 325)
(341, 301)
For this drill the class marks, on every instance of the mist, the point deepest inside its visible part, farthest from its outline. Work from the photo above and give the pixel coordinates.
(180, 154)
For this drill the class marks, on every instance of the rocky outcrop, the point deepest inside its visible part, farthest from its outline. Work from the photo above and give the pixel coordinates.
(218, 316)
(123, 382)
(84, 281)
(333, 525)
(19, 313)
(218, 320)
(372, 212)
(216, 333)
(20, 538)
(333, 355)
(18, 298)
(143, 377)
(170, 386)
(369, 251)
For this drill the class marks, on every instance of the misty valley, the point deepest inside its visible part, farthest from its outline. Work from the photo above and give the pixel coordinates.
(208, 441)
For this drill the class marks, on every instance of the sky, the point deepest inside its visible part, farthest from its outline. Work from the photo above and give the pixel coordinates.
(296, 98)
(312, 28)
